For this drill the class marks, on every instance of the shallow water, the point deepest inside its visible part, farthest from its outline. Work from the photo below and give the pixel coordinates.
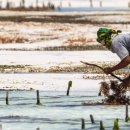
(58, 110)
(84, 9)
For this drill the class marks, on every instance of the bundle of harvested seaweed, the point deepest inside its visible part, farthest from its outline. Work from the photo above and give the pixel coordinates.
(114, 91)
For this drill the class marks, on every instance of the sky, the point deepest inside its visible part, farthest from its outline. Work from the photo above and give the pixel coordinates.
(73, 3)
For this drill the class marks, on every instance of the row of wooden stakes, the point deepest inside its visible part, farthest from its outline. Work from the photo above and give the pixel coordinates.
(38, 96)
(37, 93)
(101, 127)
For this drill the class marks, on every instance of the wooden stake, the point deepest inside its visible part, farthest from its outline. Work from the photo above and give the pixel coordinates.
(99, 94)
(92, 119)
(69, 86)
(127, 115)
(91, 3)
(0, 126)
(38, 98)
(82, 124)
(129, 4)
(100, 3)
(101, 126)
(116, 125)
(7, 98)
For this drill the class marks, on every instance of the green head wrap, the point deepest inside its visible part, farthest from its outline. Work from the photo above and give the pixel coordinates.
(106, 35)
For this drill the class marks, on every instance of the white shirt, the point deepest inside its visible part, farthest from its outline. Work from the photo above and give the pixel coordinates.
(121, 45)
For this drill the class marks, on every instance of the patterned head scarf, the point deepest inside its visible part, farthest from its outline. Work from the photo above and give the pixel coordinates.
(106, 35)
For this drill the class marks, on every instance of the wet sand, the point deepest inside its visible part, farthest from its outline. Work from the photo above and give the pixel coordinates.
(56, 32)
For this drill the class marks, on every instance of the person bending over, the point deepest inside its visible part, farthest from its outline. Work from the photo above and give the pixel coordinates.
(118, 43)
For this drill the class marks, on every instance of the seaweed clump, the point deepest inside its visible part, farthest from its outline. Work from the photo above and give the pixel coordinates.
(115, 92)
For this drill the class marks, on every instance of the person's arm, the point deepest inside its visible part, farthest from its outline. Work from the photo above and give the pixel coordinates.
(122, 64)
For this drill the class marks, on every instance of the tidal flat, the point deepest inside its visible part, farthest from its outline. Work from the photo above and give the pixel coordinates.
(42, 51)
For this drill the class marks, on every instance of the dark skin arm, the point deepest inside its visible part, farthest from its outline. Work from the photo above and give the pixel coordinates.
(122, 64)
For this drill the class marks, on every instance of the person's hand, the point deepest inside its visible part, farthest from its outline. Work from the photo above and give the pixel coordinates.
(107, 70)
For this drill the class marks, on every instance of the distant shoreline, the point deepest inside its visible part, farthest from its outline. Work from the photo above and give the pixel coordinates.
(70, 9)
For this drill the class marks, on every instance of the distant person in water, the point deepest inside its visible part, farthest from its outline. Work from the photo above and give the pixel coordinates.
(118, 43)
